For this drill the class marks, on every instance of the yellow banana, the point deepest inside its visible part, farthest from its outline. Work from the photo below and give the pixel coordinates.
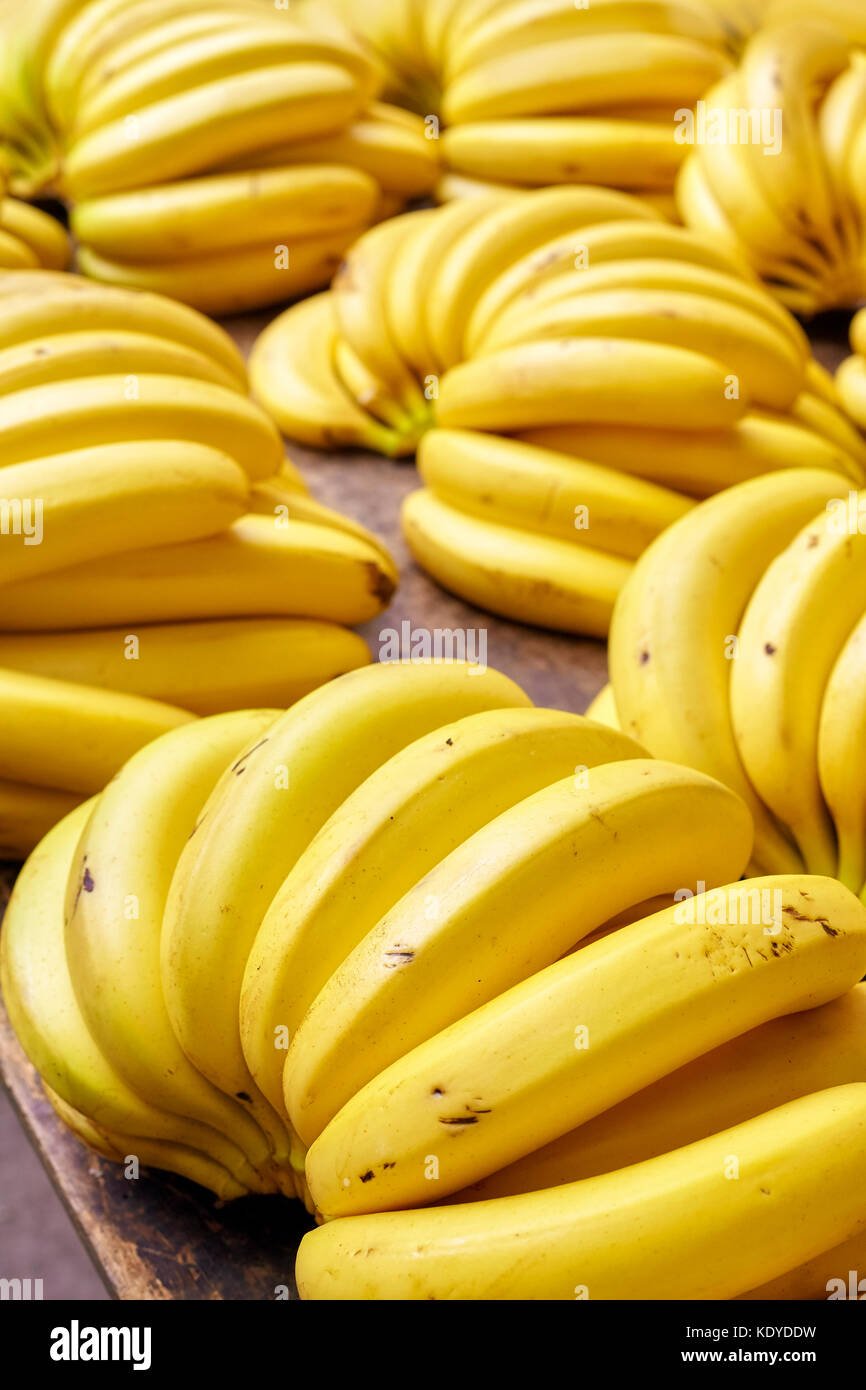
(538, 490)
(40, 234)
(796, 623)
(851, 384)
(293, 375)
(701, 1233)
(27, 813)
(384, 840)
(257, 824)
(118, 409)
(674, 631)
(78, 354)
(207, 667)
(510, 900)
(603, 708)
(254, 569)
(521, 575)
(841, 732)
(550, 1054)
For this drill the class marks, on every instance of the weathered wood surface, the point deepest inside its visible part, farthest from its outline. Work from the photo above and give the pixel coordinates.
(161, 1237)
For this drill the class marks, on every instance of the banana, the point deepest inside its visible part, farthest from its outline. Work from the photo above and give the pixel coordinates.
(503, 235)
(400, 157)
(205, 667)
(199, 129)
(115, 904)
(256, 825)
(77, 354)
(769, 368)
(232, 281)
(42, 235)
(851, 384)
(594, 380)
(224, 212)
(27, 813)
(253, 569)
(517, 1072)
(839, 119)
(603, 708)
(359, 304)
(47, 1018)
(368, 391)
(293, 376)
(74, 737)
(796, 623)
(44, 303)
(408, 286)
(153, 1153)
(284, 498)
(112, 498)
(510, 900)
(578, 73)
(674, 629)
(538, 490)
(765, 1068)
(516, 573)
(819, 1278)
(14, 254)
(542, 150)
(110, 409)
(213, 57)
(700, 1235)
(384, 840)
(642, 241)
(701, 462)
(841, 730)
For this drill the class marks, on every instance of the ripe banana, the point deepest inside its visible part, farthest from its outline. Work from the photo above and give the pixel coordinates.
(115, 905)
(27, 813)
(293, 375)
(674, 631)
(117, 409)
(505, 481)
(254, 569)
(776, 1063)
(796, 623)
(39, 235)
(851, 384)
(528, 577)
(508, 901)
(206, 667)
(384, 840)
(257, 824)
(517, 1072)
(841, 732)
(74, 355)
(716, 1218)
(542, 150)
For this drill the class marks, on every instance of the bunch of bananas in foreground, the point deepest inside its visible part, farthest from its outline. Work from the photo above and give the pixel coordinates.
(372, 957)
(738, 647)
(29, 238)
(225, 155)
(779, 174)
(532, 93)
(576, 370)
(159, 557)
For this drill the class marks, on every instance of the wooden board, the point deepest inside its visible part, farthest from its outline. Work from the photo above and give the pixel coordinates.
(163, 1238)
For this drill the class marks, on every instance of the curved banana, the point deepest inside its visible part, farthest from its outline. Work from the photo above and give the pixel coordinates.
(841, 732)
(505, 481)
(851, 385)
(701, 1233)
(510, 900)
(206, 667)
(384, 840)
(521, 575)
(42, 236)
(255, 569)
(674, 631)
(541, 150)
(550, 1054)
(257, 824)
(796, 623)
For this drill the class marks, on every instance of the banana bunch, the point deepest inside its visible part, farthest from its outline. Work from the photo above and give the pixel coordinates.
(159, 558)
(573, 371)
(778, 175)
(737, 647)
(226, 157)
(538, 92)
